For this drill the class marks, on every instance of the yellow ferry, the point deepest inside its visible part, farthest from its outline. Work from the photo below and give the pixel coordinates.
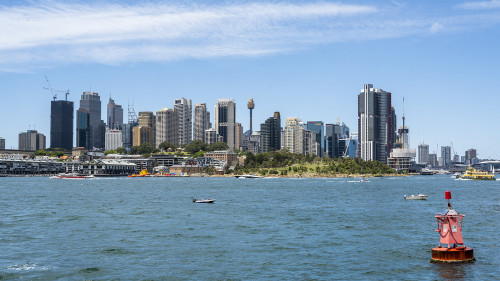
(144, 173)
(474, 174)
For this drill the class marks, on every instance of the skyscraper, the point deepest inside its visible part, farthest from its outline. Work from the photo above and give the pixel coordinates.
(147, 119)
(238, 135)
(91, 101)
(2, 143)
(201, 121)
(167, 127)
(318, 128)
(83, 128)
(61, 124)
(294, 135)
(270, 134)
(446, 155)
(142, 134)
(225, 117)
(470, 156)
(185, 114)
(423, 153)
(115, 115)
(375, 124)
(31, 140)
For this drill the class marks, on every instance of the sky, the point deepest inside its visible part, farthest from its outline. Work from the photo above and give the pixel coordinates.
(305, 59)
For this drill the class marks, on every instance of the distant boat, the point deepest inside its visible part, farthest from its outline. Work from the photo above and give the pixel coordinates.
(72, 176)
(208, 200)
(247, 177)
(416, 197)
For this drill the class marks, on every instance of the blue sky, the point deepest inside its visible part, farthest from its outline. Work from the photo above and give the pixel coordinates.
(306, 59)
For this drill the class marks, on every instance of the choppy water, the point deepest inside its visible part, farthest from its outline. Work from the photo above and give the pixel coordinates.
(258, 229)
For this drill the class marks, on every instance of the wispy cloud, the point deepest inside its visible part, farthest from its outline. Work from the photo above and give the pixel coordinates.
(480, 5)
(53, 33)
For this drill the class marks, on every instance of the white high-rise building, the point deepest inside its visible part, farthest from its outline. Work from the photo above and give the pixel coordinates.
(185, 120)
(201, 121)
(294, 135)
(225, 119)
(113, 139)
(167, 127)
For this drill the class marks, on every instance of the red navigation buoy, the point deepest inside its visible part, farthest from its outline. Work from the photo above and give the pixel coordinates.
(450, 229)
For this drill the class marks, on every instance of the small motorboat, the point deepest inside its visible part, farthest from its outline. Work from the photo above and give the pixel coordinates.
(249, 176)
(208, 200)
(416, 197)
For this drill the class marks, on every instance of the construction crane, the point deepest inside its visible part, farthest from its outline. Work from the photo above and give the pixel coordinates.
(453, 150)
(54, 92)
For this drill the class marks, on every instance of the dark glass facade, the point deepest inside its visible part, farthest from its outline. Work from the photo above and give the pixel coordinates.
(83, 128)
(270, 134)
(61, 124)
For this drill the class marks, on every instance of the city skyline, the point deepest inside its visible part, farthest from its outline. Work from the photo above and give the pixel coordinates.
(425, 56)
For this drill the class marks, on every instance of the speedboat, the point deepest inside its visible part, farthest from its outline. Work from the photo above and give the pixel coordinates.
(208, 200)
(416, 197)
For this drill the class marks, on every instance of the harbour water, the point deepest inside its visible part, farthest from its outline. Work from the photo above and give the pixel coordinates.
(257, 229)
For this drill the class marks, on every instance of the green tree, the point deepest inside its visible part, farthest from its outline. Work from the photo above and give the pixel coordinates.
(166, 145)
(121, 150)
(41, 152)
(110, 152)
(196, 146)
(218, 146)
(145, 148)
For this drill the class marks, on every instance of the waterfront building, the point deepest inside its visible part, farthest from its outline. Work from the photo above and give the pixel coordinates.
(20, 165)
(201, 121)
(211, 136)
(31, 140)
(91, 102)
(270, 134)
(61, 124)
(147, 118)
(470, 156)
(184, 110)
(375, 124)
(167, 127)
(446, 156)
(142, 134)
(238, 133)
(318, 127)
(228, 156)
(294, 135)
(423, 154)
(115, 115)
(225, 119)
(2, 143)
(113, 139)
(83, 128)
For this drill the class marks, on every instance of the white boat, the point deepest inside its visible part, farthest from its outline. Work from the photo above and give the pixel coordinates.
(416, 197)
(208, 200)
(247, 177)
(72, 176)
